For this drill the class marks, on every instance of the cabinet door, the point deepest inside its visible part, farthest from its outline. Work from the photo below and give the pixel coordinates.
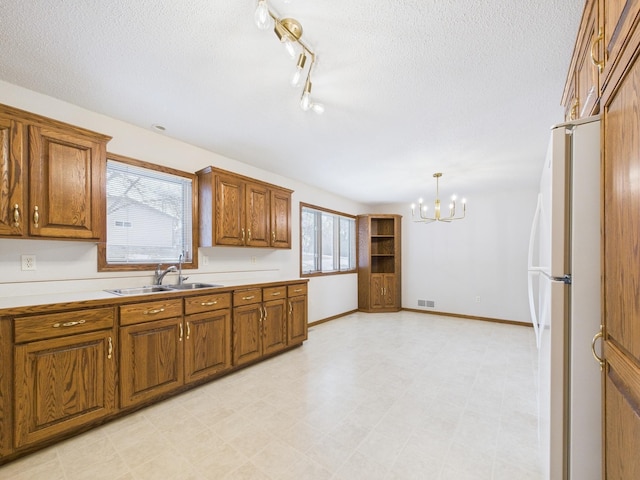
(229, 213)
(207, 344)
(66, 193)
(280, 219)
(587, 74)
(389, 292)
(62, 384)
(247, 339)
(274, 326)
(621, 277)
(297, 327)
(151, 360)
(376, 291)
(257, 205)
(12, 177)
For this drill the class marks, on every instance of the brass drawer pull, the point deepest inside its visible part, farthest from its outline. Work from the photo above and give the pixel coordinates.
(250, 297)
(153, 312)
(68, 324)
(597, 336)
(208, 304)
(275, 294)
(594, 43)
(297, 290)
(36, 216)
(16, 215)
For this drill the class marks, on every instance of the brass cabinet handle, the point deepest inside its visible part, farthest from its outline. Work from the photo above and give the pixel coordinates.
(275, 294)
(594, 43)
(249, 235)
(208, 304)
(598, 335)
(153, 312)
(243, 235)
(16, 215)
(188, 330)
(68, 324)
(110, 349)
(290, 308)
(265, 313)
(250, 297)
(181, 333)
(36, 216)
(297, 290)
(273, 236)
(574, 109)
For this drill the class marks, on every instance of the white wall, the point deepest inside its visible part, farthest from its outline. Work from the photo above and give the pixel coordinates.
(64, 266)
(484, 255)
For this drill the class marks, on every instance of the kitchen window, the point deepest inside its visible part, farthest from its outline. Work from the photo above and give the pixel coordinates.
(327, 241)
(150, 216)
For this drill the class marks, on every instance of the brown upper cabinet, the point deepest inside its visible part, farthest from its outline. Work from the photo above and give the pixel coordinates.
(581, 96)
(241, 211)
(54, 175)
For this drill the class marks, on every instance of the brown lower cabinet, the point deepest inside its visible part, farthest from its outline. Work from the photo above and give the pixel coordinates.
(79, 366)
(259, 323)
(65, 373)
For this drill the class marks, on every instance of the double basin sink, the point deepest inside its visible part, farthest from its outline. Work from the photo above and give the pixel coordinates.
(160, 288)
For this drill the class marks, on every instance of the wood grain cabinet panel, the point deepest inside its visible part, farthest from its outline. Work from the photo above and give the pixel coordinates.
(258, 215)
(247, 333)
(62, 384)
(297, 323)
(207, 344)
(12, 177)
(151, 360)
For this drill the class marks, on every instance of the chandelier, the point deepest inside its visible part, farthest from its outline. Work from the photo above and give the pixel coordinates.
(423, 215)
(289, 32)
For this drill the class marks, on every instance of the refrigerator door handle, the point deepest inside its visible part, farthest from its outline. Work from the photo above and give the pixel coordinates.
(534, 271)
(533, 234)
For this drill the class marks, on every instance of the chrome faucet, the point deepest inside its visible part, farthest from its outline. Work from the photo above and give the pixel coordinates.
(180, 277)
(160, 274)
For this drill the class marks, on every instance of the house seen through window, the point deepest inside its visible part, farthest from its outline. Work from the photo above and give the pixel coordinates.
(149, 214)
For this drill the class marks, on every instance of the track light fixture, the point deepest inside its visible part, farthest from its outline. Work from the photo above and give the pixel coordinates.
(289, 32)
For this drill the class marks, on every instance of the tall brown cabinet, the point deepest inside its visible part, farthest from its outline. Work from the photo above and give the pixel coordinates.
(610, 84)
(379, 271)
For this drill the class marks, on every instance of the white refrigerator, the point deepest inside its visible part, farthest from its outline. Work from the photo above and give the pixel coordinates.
(564, 294)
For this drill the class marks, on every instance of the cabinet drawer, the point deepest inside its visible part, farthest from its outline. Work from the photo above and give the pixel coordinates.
(273, 293)
(247, 297)
(52, 325)
(205, 303)
(149, 311)
(298, 289)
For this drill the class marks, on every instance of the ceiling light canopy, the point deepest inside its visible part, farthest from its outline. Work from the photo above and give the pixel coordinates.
(289, 32)
(423, 215)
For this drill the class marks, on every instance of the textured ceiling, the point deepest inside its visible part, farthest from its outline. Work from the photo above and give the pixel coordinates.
(410, 87)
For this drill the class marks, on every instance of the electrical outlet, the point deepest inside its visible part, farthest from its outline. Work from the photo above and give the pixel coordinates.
(253, 259)
(205, 260)
(28, 262)
(478, 299)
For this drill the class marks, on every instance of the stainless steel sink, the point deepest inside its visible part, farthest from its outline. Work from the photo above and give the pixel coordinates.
(140, 290)
(192, 286)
